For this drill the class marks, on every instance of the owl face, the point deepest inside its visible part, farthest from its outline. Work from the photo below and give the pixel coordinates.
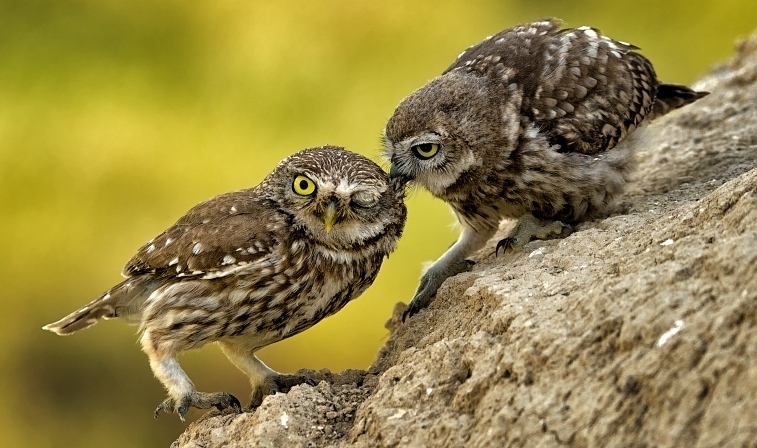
(340, 198)
(433, 136)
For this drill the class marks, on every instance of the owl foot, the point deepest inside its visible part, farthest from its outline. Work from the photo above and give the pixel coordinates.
(529, 228)
(278, 382)
(507, 244)
(199, 400)
(431, 281)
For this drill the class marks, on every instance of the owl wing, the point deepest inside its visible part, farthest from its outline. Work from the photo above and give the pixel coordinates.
(584, 91)
(212, 239)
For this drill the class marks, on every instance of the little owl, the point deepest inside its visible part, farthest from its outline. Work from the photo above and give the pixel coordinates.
(531, 124)
(252, 267)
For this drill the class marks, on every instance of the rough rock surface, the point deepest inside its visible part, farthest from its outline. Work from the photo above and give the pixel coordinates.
(637, 330)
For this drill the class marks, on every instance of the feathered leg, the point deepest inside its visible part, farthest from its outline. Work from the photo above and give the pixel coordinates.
(181, 391)
(263, 379)
(451, 263)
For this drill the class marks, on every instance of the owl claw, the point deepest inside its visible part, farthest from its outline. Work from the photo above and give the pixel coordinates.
(529, 228)
(199, 400)
(418, 303)
(423, 297)
(506, 244)
(277, 383)
(430, 283)
(166, 406)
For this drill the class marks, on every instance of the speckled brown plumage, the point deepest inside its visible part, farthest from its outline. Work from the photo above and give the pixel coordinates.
(533, 124)
(253, 267)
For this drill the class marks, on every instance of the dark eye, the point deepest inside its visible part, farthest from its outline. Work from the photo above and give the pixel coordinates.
(303, 186)
(425, 150)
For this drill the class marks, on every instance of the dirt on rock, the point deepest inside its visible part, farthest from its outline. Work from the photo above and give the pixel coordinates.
(636, 330)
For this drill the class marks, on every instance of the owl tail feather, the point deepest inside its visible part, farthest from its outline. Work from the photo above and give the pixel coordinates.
(124, 300)
(673, 96)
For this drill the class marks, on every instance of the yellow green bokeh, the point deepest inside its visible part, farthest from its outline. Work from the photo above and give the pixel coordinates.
(117, 116)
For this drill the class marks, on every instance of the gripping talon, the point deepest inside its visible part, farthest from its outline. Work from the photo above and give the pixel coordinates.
(182, 411)
(529, 228)
(199, 400)
(411, 310)
(406, 314)
(505, 244)
(165, 406)
(421, 300)
(430, 283)
(229, 401)
(275, 383)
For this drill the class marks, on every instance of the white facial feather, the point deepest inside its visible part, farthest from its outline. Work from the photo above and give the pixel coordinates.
(435, 174)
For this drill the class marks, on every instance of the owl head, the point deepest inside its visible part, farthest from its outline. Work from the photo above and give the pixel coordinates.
(442, 130)
(340, 198)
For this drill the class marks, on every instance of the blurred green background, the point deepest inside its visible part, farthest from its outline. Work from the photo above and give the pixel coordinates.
(117, 116)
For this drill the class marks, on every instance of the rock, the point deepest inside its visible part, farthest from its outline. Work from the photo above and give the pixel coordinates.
(637, 330)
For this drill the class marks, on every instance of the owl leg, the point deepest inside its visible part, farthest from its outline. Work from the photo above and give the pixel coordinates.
(181, 391)
(529, 227)
(450, 264)
(264, 380)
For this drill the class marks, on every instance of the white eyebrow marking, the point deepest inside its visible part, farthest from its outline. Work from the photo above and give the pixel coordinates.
(346, 188)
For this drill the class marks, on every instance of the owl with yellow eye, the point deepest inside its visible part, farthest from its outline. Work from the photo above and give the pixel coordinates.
(252, 267)
(535, 124)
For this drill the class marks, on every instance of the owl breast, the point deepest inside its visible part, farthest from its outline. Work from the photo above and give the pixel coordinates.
(316, 283)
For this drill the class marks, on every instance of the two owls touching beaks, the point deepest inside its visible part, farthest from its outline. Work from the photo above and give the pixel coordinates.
(530, 124)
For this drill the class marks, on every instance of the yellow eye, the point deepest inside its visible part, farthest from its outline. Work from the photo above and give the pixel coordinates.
(303, 186)
(425, 150)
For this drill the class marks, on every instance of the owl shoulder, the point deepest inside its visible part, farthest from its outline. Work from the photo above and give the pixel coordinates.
(215, 236)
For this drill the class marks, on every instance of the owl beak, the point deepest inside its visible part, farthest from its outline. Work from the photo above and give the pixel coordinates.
(329, 215)
(394, 172)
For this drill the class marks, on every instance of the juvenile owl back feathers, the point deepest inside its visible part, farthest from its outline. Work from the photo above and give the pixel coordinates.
(527, 125)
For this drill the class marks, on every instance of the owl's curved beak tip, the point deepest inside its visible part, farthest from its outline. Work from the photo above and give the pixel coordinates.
(329, 216)
(394, 173)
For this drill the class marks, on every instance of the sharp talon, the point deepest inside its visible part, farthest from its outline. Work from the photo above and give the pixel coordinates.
(165, 406)
(182, 411)
(227, 400)
(504, 244)
(411, 310)
(406, 314)
(199, 400)
(276, 383)
(235, 404)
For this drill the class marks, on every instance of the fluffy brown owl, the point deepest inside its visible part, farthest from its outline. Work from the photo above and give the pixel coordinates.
(253, 267)
(530, 124)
